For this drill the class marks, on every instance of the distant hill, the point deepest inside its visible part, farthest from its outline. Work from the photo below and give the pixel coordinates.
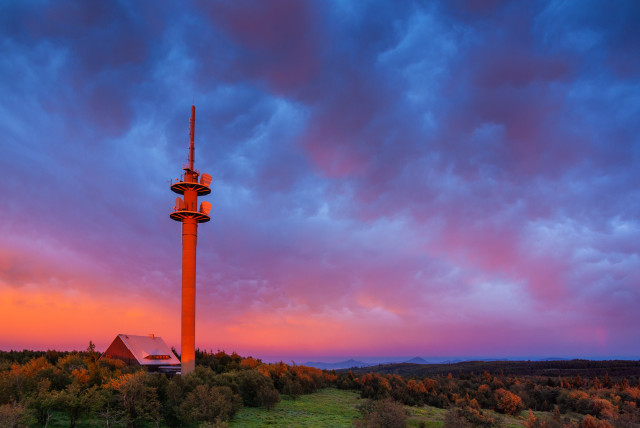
(335, 366)
(417, 360)
(552, 368)
(450, 362)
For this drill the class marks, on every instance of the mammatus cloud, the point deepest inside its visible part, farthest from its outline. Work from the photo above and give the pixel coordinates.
(458, 178)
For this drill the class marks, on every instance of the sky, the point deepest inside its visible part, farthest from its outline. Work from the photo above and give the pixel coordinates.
(455, 178)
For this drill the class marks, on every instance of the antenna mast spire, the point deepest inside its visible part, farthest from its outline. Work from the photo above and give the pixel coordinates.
(192, 133)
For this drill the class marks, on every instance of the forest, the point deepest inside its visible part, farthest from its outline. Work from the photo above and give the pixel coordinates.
(50, 388)
(585, 368)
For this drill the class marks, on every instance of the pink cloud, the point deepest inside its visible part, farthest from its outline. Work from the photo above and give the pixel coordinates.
(387, 178)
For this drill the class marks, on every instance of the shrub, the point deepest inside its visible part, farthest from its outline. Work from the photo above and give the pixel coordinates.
(533, 422)
(591, 422)
(416, 393)
(268, 397)
(603, 409)
(374, 386)
(467, 413)
(485, 397)
(202, 375)
(209, 404)
(137, 400)
(452, 419)
(292, 388)
(574, 401)
(385, 413)
(256, 389)
(13, 415)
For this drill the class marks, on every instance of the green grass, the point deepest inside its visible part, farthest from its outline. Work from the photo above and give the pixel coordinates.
(431, 416)
(337, 408)
(327, 408)
(60, 420)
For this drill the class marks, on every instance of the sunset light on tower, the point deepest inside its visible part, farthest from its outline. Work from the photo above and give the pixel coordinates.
(187, 212)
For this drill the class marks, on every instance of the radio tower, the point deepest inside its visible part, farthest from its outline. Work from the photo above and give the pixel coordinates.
(186, 211)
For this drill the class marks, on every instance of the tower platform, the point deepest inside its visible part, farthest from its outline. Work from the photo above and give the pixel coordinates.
(181, 186)
(183, 214)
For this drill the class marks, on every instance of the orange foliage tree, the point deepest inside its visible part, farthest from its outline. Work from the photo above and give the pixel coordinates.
(508, 402)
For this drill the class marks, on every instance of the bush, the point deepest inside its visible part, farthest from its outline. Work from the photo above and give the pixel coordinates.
(591, 422)
(533, 422)
(603, 409)
(268, 397)
(467, 413)
(135, 398)
(13, 415)
(200, 376)
(453, 419)
(256, 389)
(209, 404)
(574, 401)
(385, 413)
(292, 388)
(374, 386)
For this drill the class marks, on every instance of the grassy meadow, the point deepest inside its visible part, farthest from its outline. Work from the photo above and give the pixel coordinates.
(328, 407)
(337, 408)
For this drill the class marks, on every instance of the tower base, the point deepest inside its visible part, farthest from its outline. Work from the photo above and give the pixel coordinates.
(187, 367)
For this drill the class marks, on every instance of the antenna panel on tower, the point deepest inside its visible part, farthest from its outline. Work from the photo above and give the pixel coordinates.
(205, 179)
(179, 204)
(205, 207)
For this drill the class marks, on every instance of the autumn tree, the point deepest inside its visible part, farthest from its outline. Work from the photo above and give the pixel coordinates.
(533, 422)
(374, 386)
(606, 381)
(596, 384)
(417, 392)
(507, 402)
(467, 413)
(602, 408)
(590, 422)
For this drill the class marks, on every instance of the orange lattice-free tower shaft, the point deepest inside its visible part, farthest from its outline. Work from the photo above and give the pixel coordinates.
(189, 214)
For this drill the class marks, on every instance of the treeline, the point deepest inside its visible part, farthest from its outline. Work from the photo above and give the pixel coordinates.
(584, 368)
(290, 380)
(43, 389)
(36, 390)
(568, 401)
(21, 357)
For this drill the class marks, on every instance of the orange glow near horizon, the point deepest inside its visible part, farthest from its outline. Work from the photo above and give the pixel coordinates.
(67, 321)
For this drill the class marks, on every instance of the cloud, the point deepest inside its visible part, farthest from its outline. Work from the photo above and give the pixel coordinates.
(455, 178)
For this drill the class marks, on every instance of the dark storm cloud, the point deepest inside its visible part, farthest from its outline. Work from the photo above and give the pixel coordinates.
(376, 165)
